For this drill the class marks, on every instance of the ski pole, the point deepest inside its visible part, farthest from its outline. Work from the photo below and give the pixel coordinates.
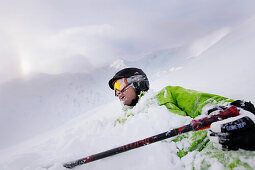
(195, 125)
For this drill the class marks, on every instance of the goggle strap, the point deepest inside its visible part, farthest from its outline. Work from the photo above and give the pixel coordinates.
(135, 78)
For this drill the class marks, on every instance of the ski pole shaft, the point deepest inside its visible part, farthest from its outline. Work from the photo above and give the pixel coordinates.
(193, 126)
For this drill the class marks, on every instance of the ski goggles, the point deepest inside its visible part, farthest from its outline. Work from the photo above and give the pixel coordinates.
(118, 93)
(122, 84)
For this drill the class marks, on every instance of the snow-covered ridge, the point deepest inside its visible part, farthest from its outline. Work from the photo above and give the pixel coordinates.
(203, 44)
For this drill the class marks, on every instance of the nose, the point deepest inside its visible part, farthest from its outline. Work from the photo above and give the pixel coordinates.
(120, 95)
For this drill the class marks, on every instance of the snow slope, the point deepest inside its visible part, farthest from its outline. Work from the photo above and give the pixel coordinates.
(224, 67)
(31, 106)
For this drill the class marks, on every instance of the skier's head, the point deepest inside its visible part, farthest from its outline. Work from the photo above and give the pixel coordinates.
(128, 83)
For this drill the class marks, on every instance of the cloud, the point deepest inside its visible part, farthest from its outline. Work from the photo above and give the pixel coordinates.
(50, 52)
(9, 63)
(77, 64)
(95, 43)
(44, 36)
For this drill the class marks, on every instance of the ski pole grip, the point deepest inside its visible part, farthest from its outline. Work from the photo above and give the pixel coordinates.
(205, 123)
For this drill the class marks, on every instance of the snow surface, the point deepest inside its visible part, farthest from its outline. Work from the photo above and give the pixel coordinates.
(224, 67)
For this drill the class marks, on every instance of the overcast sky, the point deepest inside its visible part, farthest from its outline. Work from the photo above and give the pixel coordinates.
(56, 36)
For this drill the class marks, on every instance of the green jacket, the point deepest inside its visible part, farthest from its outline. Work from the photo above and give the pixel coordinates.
(192, 103)
(187, 102)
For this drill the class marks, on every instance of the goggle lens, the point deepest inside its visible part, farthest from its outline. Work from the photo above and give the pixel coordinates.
(120, 84)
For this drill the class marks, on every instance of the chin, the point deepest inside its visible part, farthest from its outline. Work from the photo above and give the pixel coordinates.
(125, 102)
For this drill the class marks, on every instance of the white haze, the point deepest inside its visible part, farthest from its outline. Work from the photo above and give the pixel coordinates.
(58, 36)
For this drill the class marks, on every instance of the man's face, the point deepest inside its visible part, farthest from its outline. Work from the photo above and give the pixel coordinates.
(125, 91)
(127, 96)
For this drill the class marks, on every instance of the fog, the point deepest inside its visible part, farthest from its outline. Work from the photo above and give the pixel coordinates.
(58, 36)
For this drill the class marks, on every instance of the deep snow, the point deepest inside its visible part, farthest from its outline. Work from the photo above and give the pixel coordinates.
(224, 67)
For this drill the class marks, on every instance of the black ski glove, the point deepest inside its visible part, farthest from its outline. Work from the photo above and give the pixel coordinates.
(237, 132)
(248, 106)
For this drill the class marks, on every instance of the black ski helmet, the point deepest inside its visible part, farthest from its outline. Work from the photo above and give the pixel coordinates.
(141, 85)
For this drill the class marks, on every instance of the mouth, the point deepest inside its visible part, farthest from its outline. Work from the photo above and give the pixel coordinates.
(123, 98)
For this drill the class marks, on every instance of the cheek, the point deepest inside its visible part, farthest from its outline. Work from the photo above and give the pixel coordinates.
(131, 94)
